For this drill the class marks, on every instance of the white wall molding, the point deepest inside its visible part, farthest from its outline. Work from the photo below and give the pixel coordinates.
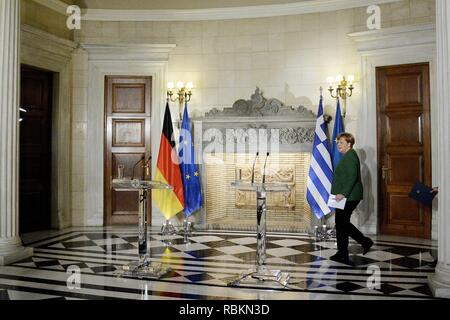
(44, 41)
(227, 13)
(43, 50)
(119, 60)
(143, 52)
(390, 46)
(55, 5)
(395, 37)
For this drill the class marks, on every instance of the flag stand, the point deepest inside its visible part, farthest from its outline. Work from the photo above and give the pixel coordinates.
(168, 229)
(322, 232)
(186, 230)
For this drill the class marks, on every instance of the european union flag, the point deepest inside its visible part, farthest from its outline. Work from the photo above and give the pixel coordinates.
(189, 169)
(336, 156)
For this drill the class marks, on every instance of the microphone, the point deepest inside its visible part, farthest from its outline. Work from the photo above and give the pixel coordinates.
(134, 167)
(253, 170)
(147, 166)
(264, 172)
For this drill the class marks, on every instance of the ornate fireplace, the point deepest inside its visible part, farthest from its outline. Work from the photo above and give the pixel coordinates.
(227, 141)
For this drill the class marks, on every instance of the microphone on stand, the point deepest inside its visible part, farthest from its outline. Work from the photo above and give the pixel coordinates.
(253, 170)
(147, 166)
(134, 167)
(264, 172)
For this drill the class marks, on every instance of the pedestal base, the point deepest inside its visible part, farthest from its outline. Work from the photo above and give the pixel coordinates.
(261, 274)
(144, 270)
(439, 283)
(168, 229)
(17, 255)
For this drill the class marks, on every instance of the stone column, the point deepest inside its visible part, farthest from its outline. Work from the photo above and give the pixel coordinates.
(11, 248)
(440, 281)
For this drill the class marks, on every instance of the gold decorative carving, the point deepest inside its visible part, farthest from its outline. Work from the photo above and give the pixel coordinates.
(275, 200)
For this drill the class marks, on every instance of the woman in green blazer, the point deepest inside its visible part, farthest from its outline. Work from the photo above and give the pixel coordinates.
(347, 184)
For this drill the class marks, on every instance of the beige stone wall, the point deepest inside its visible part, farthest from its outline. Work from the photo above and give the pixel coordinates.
(45, 19)
(401, 13)
(289, 57)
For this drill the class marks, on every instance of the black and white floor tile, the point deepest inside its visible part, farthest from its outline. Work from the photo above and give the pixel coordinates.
(203, 267)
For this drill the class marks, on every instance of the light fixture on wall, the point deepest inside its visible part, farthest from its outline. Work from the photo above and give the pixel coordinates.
(343, 90)
(184, 94)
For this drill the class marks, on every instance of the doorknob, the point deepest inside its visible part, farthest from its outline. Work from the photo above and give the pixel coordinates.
(384, 169)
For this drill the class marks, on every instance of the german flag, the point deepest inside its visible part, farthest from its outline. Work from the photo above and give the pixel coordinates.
(170, 202)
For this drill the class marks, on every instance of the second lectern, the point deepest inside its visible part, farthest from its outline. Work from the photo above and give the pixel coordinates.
(261, 272)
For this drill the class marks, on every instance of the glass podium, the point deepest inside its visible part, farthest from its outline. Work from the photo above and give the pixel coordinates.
(142, 268)
(260, 272)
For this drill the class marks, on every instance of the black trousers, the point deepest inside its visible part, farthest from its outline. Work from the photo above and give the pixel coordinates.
(344, 228)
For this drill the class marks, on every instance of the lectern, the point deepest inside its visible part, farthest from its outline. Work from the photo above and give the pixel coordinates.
(142, 268)
(261, 272)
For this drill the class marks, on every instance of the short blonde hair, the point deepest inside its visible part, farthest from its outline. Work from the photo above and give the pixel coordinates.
(348, 137)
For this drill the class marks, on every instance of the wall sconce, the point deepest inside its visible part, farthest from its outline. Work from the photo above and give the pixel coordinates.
(184, 94)
(344, 89)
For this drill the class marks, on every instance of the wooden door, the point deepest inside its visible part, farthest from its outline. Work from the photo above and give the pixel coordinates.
(35, 150)
(127, 141)
(404, 148)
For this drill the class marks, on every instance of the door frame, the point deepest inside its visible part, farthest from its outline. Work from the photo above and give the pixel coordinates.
(411, 46)
(120, 60)
(427, 152)
(56, 58)
(108, 216)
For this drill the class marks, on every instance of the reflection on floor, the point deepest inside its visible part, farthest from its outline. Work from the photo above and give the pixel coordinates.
(202, 267)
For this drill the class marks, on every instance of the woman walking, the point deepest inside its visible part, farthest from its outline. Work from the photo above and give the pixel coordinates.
(347, 184)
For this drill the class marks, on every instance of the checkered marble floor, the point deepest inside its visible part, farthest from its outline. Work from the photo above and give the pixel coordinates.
(202, 267)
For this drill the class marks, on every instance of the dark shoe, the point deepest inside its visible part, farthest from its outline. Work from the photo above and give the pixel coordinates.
(342, 258)
(367, 246)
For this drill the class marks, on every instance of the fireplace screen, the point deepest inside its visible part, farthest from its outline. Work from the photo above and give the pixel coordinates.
(229, 209)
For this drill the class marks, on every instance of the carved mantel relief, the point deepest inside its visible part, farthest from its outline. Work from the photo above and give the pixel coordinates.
(291, 128)
(275, 200)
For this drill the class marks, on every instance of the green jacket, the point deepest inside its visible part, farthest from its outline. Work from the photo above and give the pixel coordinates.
(347, 177)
